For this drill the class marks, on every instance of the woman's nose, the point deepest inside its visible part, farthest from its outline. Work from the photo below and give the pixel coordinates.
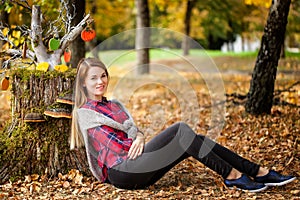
(100, 80)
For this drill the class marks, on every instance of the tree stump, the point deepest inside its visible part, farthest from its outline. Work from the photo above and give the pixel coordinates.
(38, 147)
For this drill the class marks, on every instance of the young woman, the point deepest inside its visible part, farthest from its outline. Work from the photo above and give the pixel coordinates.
(116, 149)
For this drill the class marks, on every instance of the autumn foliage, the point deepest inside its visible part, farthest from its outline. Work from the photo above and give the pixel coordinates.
(270, 140)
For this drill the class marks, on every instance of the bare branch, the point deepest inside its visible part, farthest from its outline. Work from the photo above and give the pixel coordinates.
(36, 32)
(4, 38)
(63, 21)
(36, 35)
(18, 53)
(68, 38)
(69, 15)
(22, 3)
(288, 89)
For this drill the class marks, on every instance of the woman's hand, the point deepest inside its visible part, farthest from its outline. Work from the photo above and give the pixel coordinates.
(137, 146)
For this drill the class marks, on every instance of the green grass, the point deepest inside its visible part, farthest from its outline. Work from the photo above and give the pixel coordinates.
(292, 55)
(247, 54)
(119, 57)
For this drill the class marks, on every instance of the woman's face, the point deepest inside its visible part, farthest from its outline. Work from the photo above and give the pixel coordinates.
(96, 83)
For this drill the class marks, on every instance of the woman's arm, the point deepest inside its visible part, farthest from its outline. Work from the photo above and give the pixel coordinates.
(108, 137)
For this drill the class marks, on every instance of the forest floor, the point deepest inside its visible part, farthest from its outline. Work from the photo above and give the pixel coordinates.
(270, 140)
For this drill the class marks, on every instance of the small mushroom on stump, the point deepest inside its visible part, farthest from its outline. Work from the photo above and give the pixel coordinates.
(65, 99)
(58, 111)
(34, 118)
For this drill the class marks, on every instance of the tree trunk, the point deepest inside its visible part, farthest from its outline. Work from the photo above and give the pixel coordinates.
(142, 36)
(78, 45)
(91, 46)
(38, 147)
(243, 43)
(4, 17)
(260, 96)
(187, 27)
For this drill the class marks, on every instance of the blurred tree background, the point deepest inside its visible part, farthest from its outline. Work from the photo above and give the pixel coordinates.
(213, 22)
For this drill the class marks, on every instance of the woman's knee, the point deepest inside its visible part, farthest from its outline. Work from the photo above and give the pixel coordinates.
(183, 126)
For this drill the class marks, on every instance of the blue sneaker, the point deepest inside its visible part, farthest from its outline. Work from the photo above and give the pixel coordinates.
(273, 178)
(246, 184)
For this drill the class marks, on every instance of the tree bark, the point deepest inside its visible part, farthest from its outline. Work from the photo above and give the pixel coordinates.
(38, 147)
(187, 27)
(260, 96)
(78, 45)
(92, 44)
(142, 36)
(4, 17)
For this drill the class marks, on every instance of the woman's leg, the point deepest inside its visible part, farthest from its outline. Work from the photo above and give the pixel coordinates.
(203, 149)
(169, 148)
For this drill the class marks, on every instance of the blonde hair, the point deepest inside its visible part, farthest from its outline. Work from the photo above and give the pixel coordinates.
(76, 139)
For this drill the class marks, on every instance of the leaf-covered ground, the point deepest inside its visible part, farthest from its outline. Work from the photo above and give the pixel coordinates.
(270, 140)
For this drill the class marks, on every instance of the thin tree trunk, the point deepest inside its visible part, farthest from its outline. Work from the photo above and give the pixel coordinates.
(243, 43)
(142, 36)
(78, 45)
(4, 17)
(187, 27)
(260, 96)
(92, 44)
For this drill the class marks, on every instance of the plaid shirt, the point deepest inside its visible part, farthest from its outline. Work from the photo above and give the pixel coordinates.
(111, 145)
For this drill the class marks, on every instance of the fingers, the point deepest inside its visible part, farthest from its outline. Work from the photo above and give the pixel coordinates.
(131, 150)
(135, 150)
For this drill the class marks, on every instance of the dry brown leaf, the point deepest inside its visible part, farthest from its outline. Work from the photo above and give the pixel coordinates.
(66, 184)
(270, 140)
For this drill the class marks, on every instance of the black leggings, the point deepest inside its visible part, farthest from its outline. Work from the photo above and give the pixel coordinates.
(167, 149)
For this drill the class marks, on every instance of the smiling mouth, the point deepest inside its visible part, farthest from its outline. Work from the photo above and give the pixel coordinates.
(100, 87)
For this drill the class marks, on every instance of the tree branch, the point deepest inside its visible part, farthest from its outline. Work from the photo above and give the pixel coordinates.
(75, 31)
(40, 53)
(288, 89)
(36, 35)
(18, 53)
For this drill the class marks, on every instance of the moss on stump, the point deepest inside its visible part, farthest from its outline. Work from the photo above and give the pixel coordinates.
(38, 147)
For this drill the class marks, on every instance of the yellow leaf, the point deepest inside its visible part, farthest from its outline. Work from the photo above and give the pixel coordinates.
(16, 34)
(31, 67)
(5, 31)
(263, 3)
(43, 66)
(61, 68)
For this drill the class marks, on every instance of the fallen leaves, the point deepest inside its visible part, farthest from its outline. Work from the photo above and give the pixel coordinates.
(270, 140)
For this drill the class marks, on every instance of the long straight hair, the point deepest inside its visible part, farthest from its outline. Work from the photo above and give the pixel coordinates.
(80, 97)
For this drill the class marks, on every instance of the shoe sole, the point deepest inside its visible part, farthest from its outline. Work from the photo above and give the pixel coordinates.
(281, 183)
(253, 191)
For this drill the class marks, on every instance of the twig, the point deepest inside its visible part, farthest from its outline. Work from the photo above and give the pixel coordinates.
(24, 4)
(288, 89)
(2, 37)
